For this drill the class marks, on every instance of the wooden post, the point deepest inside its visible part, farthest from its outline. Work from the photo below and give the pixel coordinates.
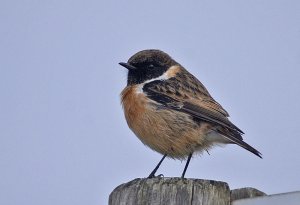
(174, 191)
(244, 193)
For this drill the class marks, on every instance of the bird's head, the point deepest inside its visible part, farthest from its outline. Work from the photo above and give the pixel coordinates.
(146, 65)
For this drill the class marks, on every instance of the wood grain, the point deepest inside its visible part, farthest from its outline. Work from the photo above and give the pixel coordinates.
(171, 191)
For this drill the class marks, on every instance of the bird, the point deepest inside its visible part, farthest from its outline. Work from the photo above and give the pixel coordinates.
(172, 112)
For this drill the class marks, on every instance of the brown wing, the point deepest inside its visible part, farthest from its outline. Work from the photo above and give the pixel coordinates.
(185, 87)
(187, 94)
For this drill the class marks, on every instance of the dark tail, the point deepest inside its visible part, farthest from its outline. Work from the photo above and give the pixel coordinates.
(245, 146)
(236, 138)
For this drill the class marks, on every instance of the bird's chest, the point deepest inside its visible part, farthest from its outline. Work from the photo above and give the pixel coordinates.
(148, 124)
(134, 105)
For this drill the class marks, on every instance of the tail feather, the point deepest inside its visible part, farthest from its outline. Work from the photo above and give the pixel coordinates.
(236, 138)
(244, 145)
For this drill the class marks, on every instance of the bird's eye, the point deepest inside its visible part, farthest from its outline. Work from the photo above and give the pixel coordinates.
(151, 66)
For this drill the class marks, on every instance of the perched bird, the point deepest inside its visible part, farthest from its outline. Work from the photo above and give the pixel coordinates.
(171, 111)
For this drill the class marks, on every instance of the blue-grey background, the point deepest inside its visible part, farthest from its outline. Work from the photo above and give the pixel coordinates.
(63, 136)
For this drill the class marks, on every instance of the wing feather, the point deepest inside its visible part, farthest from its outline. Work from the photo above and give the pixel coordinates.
(187, 94)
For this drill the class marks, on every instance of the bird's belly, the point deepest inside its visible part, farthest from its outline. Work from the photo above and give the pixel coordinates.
(166, 131)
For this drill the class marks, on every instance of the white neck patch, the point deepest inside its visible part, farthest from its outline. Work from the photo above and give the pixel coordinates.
(164, 76)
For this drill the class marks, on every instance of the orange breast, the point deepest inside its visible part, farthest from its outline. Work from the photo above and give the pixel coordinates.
(165, 131)
(133, 104)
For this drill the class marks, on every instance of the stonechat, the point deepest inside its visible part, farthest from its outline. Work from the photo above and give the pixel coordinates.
(171, 111)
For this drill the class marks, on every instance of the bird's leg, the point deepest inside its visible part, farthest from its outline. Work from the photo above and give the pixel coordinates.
(186, 165)
(152, 174)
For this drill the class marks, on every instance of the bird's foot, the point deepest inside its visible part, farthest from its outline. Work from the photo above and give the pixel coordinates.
(153, 176)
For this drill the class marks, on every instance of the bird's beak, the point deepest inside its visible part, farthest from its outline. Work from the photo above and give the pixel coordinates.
(128, 66)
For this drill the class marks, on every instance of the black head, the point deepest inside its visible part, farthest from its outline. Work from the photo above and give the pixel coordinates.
(146, 65)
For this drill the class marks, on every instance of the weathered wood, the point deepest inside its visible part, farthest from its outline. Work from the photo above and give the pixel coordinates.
(243, 193)
(171, 191)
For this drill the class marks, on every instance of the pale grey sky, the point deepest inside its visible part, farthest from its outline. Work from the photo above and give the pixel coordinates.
(63, 137)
